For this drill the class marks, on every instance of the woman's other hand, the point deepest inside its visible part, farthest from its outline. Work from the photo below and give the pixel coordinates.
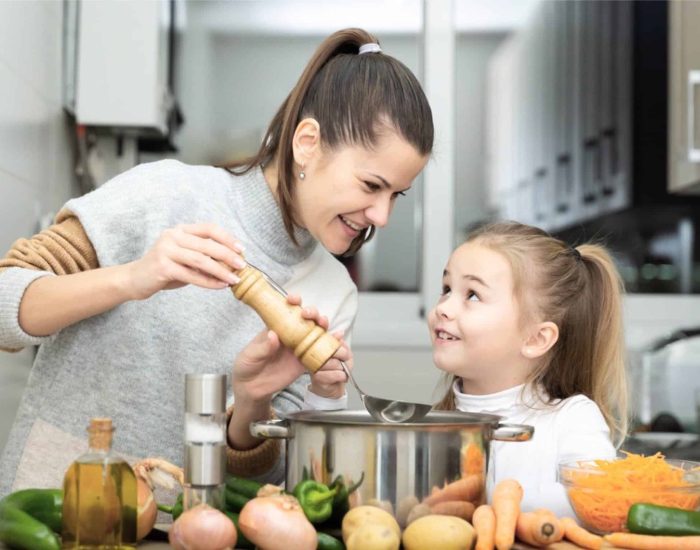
(329, 381)
(197, 254)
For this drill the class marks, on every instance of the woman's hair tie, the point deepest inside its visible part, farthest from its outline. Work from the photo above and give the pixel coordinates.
(370, 47)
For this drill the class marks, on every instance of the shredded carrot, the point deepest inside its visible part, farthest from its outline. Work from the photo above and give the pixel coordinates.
(602, 495)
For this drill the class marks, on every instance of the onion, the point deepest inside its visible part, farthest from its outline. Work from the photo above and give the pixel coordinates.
(277, 523)
(202, 528)
(146, 510)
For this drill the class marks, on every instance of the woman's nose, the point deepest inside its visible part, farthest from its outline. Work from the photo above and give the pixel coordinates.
(378, 213)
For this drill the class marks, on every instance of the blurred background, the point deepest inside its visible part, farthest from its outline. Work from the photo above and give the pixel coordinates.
(581, 117)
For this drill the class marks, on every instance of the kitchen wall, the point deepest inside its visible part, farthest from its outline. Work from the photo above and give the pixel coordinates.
(35, 149)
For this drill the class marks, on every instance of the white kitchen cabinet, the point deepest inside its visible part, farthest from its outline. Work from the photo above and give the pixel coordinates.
(684, 97)
(570, 116)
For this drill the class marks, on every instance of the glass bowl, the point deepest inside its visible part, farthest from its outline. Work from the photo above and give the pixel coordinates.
(601, 500)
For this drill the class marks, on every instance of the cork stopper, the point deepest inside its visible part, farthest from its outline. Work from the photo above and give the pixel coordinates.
(100, 433)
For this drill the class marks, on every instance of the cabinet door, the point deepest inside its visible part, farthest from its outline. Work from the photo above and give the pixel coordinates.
(684, 98)
(566, 119)
(615, 128)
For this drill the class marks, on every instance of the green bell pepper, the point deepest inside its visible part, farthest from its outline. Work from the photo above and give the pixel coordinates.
(18, 529)
(316, 499)
(650, 519)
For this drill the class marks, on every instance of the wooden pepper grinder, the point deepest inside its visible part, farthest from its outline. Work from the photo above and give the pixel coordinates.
(311, 344)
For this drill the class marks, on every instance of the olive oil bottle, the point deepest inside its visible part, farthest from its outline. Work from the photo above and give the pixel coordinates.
(99, 503)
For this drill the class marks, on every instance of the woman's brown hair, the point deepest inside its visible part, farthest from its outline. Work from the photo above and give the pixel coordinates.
(580, 290)
(353, 98)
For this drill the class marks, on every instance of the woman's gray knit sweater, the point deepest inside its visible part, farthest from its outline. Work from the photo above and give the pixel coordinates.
(129, 363)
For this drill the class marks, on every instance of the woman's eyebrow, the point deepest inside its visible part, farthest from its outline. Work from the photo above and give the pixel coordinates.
(380, 178)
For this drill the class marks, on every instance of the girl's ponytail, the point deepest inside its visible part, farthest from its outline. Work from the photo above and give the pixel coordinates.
(608, 381)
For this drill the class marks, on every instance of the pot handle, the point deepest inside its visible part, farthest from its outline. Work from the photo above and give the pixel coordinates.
(513, 432)
(271, 429)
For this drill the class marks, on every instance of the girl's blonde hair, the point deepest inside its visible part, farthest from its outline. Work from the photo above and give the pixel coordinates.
(580, 290)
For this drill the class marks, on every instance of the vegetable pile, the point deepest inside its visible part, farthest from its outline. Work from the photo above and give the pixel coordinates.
(602, 494)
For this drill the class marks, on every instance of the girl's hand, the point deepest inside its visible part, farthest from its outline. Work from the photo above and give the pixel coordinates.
(265, 366)
(329, 381)
(187, 254)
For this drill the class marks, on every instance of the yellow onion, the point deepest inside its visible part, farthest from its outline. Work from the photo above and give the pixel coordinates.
(277, 523)
(146, 510)
(202, 528)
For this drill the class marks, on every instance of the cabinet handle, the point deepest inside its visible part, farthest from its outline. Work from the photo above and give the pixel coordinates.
(563, 183)
(693, 81)
(591, 169)
(609, 160)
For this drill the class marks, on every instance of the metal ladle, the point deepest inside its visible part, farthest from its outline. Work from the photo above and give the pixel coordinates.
(382, 410)
(388, 410)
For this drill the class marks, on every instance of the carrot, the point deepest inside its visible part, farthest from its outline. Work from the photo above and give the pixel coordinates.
(473, 459)
(484, 521)
(538, 528)
(578, 535)
(652, 542)
(506, 505)
(459, 508)
(467, 489)
(602, 494)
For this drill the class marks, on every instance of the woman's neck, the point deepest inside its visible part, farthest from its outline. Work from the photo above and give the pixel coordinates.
(270, 174)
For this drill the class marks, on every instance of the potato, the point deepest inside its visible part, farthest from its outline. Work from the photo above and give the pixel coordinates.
(439, 533)
(373, 536)
(367, 514)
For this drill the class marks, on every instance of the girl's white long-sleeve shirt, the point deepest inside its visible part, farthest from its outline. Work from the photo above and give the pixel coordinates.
(570, 429)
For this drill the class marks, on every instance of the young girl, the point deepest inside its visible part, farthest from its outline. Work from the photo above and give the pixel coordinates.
(530, 329)
(128, 291)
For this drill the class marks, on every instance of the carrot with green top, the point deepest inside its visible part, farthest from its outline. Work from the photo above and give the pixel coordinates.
(506, 505)
(579, 536)
(484, 522)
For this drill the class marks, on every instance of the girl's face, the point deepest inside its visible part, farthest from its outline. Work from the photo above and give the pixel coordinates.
(347, 190)
(475, 327)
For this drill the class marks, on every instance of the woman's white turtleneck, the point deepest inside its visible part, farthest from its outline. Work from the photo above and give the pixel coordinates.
(570, 429)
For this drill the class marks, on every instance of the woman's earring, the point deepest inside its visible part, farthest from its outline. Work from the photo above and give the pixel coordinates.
(302, 175)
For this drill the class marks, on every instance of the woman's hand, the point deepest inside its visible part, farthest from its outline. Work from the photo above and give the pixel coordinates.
(201, 254)
(266, 366)
(329, 381)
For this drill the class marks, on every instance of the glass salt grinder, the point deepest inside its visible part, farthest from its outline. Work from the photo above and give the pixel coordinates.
(205, 440)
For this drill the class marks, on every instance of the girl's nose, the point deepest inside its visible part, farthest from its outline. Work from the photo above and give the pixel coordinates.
(443, 309)
(378, 213)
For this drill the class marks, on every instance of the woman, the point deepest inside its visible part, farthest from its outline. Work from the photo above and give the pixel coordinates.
(348, 140)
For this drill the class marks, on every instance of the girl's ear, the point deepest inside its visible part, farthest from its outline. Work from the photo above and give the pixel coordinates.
(306, 142)
(542, 338)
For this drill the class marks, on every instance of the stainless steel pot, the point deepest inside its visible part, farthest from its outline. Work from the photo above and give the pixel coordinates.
(401, 463)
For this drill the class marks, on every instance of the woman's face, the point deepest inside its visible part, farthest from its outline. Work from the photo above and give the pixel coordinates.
(475, 327)
(347, 190)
